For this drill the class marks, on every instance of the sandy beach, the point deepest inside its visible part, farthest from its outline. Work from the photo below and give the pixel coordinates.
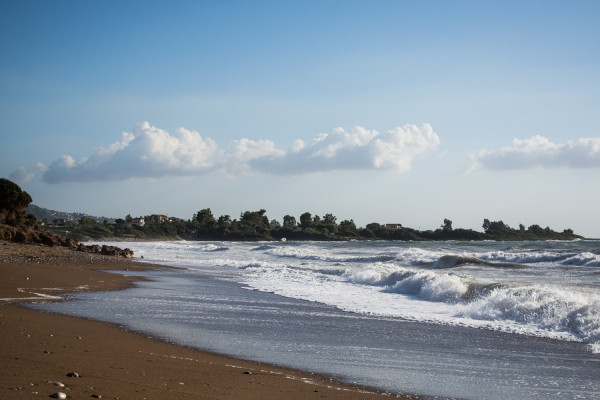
(39, 349)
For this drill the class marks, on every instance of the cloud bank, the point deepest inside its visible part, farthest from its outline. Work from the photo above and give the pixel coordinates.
(539, 152)
(150, 152)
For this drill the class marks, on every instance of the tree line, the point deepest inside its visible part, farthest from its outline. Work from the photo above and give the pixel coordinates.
(255, 225)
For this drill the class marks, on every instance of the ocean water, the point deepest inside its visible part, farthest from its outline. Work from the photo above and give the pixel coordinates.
(477, 320)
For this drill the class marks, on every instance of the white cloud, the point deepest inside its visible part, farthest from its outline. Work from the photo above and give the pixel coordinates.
(241, 152)
(150, 152)
(359, 149)
(24, 174)
(539, 152)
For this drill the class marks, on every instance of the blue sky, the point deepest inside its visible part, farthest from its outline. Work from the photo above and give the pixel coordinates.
(380, 111)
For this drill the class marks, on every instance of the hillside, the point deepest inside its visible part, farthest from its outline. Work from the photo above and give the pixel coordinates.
(42, 214)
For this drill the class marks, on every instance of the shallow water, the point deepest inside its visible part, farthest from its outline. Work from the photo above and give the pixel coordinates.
(337, 309)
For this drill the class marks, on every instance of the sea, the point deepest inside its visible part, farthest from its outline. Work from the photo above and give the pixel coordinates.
(438, 320)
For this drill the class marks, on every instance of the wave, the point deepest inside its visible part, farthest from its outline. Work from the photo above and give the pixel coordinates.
(423, 284)
(262, 248)
(320, 255)
(451, 261)
(584, 259)
(541, 307)
(211, 247)
(579, 258)
(536, 308)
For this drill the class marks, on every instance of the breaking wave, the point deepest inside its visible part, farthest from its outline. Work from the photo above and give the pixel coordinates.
(583, 259)
(451, 261)
(537, 308)
(298, 252)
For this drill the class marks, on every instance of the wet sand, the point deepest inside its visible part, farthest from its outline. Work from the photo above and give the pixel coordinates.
(40, 348)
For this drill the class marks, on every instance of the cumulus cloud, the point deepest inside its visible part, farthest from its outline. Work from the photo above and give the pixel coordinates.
(24, 174)
(358, 149)
(539, 152)
(150, 152)
(240, 154)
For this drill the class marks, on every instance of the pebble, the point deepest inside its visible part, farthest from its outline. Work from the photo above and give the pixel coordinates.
(247, 373)
(73, 375)
(59, 384)
(59, 395)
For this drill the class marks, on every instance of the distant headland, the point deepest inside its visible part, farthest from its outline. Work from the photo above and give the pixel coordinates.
(67, 228)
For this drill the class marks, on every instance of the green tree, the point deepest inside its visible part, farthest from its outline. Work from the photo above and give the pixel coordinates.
(224, 220)
(348, 226)
(486, 225)
(12, 197)
(289, 222)
(496, 227)
(447, 225)
(373, 226)
(205, 219)
(86, 221)
(13, 203)
(535, 229)
(306, 220)
(329, 219)
(254, 218)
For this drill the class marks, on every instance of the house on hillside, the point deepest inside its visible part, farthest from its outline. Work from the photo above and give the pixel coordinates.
(392, 226)
(158, 218)
(138, 221)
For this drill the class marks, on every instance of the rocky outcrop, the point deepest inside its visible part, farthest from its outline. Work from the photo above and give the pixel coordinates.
(17, 226)
(106, 250)
(36, 235)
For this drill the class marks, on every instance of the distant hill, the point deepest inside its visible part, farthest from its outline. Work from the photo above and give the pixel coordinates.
(41, 214)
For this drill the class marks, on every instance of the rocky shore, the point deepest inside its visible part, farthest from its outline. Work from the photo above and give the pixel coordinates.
(37, 236)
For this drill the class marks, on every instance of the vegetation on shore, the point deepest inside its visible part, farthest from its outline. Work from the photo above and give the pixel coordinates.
(255, 225)
(251, 225)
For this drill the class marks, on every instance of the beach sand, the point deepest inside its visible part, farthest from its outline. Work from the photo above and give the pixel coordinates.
(39, 348)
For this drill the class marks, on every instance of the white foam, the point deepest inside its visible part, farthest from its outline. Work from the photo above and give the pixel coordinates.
(551, 295)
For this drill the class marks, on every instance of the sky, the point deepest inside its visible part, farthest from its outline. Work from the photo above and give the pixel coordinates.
(378, 111)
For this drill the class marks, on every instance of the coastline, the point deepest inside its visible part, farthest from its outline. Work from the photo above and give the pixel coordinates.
(39, 348)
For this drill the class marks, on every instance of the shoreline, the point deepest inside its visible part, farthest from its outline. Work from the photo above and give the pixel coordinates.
(40, 347)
